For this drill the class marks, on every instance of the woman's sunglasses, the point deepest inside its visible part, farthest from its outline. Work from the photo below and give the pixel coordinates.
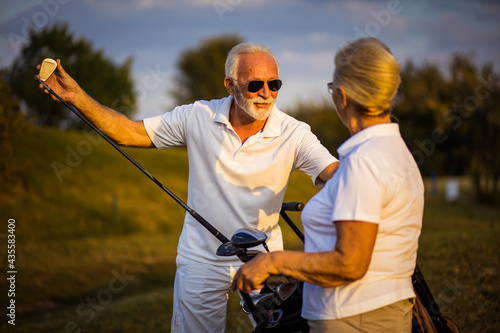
(254, 86)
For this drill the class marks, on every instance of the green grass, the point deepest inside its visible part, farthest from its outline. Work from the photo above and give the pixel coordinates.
(71, 241)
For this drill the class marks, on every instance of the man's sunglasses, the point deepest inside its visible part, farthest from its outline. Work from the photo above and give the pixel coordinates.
(254, 86)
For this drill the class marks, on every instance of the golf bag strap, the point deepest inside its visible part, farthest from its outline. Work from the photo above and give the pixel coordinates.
(422, 321)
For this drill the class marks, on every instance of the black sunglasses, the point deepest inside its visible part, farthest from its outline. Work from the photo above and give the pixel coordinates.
(254, 86)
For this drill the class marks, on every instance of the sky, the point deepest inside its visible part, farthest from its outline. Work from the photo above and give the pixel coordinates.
(303, 34)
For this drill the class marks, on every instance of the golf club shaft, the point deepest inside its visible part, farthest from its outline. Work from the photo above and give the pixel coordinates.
(191, 211)
(292, 225)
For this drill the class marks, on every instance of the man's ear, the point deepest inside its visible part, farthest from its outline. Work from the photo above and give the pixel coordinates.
(229, 84)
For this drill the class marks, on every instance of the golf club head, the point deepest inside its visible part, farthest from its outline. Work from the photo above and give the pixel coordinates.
(273, 317)
(247, 255)
(285, 290)
(248, 237)
(47, 68)
(266, 307)
(261, 302)
(228, 249)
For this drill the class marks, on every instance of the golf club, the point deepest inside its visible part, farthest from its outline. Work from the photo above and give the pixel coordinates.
(243, 239)
(293, 206)
(265, 306)
(249, 237)
(46, 69)
(260, 301)
(284, 290)
(228, 249)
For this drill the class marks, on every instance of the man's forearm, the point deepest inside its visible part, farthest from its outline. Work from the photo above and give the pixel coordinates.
(112, 123)
(328, 172)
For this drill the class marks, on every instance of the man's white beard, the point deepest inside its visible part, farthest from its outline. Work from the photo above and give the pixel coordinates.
(248, 105)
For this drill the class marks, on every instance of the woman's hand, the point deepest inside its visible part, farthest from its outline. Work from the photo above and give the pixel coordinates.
(253, 274)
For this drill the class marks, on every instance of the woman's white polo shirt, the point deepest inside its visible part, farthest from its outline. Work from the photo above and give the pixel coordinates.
(379, 182)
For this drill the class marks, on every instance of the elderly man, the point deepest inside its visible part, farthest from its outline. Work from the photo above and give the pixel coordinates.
(241, 152)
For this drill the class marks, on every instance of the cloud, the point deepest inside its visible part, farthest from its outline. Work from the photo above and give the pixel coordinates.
(304, 34)
(318, 37)
(359, 6)
(130, 8)
(307, 59)
(10, 9)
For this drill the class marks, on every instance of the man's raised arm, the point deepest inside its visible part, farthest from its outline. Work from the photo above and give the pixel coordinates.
(117, 126)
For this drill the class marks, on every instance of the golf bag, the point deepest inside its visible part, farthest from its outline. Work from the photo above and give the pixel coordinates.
(427, 317)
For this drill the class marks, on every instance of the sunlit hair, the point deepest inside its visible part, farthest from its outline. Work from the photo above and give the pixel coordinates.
(368, 72)
(233, 59)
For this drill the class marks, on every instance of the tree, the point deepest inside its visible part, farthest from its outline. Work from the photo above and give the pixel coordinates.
(324, 122)
(12, 125)
(201, 70)
(107, 82)
(472, 124)
(423, 95)
(450, 122)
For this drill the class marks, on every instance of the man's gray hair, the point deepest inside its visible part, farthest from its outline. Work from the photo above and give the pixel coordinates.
(233, 59)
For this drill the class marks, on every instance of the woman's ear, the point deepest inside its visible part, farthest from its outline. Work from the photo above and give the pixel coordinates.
(344, 96)
(340, 97)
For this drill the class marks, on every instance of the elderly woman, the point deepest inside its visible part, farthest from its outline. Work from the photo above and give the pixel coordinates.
(362, 229)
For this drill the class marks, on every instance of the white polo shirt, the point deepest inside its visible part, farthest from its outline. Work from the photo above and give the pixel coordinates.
(234, 185)
(377, 181)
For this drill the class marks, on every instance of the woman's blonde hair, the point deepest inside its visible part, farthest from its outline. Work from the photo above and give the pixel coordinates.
(368, 72)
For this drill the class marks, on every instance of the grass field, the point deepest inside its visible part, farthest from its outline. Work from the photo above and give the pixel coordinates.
(96, 241)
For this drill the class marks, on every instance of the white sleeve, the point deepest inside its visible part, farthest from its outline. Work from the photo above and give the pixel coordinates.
(313, 157)
(359, 193)
(168, 130)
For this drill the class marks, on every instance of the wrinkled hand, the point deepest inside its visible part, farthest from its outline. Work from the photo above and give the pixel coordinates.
(253, 274)
(61, 83)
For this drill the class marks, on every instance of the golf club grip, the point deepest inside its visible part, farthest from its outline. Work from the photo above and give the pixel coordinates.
(191, 211)
(292, 206)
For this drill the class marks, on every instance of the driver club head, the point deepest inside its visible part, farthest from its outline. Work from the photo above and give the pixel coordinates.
(47, 68)
(248, 237)
(228, 249)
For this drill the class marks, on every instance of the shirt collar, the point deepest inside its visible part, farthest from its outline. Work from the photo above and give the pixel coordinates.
(273, 125)
(222, 115)
(366, 134)
(271, 129)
